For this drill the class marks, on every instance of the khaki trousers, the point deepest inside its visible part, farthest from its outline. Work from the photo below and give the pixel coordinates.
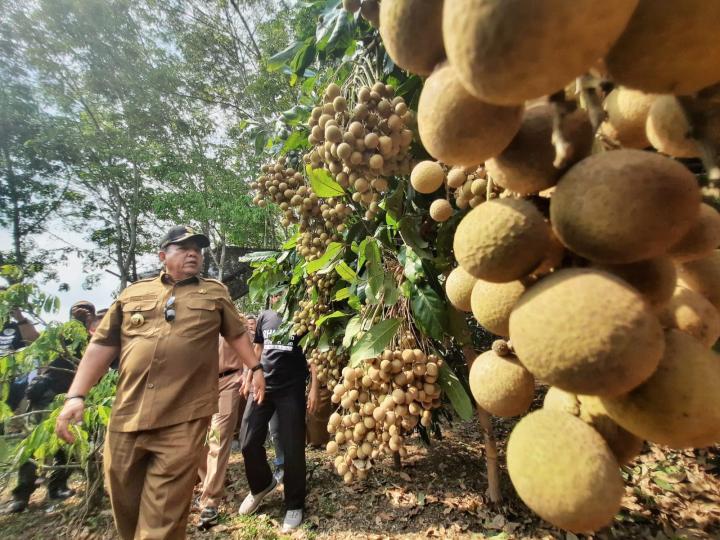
(150, 476)
(212, 469)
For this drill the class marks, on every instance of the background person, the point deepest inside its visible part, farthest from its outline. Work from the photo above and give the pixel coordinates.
(166, 331)
(213, 468)
(285, 370)
(54, 379)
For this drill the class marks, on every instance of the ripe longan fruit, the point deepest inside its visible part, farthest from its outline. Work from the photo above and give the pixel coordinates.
(586, 332)
(401, 22)
(441, 210)
(624, 206)
(458, 288)
(449, 119)
(501, 240)
(667, 33)
(510, 52)
(427, 176)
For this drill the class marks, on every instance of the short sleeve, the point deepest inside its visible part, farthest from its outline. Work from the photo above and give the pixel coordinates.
(108, 332)
(233, 324)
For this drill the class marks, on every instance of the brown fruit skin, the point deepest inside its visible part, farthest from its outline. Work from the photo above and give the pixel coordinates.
(703, 277)
(668, 129)
(501, 385)
(501, 240)
(654, 279)
(624, 206)
(401, 22)
(693, 314)
(564, 471)
(666, 33)
(627, 111)
(526, 165)
(624, 445)
(449, 121)
(679, 406)
(586, 332)
(458, 287)
(702, 238)
(510, 52)
(492, 304)
(441, 210)
(427, 176)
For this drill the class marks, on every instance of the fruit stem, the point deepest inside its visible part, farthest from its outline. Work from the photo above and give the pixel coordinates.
(563, 147)
(491, 453)
(587, 88)
(698, 131)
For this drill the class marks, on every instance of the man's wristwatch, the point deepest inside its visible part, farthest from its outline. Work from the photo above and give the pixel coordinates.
(68, 398)
(255, 368)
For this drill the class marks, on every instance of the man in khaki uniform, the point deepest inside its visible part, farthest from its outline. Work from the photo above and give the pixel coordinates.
(165, 330)
(222, 425)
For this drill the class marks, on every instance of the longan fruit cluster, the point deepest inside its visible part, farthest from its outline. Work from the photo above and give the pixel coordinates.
(364, 145)
(329, 366)
(381, 403)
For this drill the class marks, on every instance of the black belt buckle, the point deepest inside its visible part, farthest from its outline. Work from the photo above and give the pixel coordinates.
(228, 372)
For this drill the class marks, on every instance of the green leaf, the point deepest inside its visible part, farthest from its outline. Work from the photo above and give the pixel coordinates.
(455, 392)
(322, 183)
(459, 329)
(297, 139)
(342, 294)
(282, 58)
(375, 269)
(331, 253)
(409, 227)
(374, 341)
(257, 256)
(429, 311)
(333, 315)
(391, 293)
(394, 206)
(291, 242)
(413, 269)
(345, 272)
(352, 328)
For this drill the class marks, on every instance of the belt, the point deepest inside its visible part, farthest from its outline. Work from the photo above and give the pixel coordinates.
(228, 372)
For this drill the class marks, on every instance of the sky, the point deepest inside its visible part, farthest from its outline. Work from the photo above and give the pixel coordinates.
(102, 293)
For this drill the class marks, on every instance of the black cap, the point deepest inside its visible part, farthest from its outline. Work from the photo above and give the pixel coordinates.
(180, 233)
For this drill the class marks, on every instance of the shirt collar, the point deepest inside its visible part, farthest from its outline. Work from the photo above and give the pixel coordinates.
(168, 280)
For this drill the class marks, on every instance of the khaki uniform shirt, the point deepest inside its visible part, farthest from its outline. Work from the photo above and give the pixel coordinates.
(229, 359)
(168, 370)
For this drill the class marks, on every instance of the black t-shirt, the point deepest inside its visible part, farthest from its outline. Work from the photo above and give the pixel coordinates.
(10, 338)
(284, 364)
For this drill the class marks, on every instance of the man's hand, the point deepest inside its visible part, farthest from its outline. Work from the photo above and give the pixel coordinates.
(312, 400)
(258, 377)
(72, 413)
(246, 383)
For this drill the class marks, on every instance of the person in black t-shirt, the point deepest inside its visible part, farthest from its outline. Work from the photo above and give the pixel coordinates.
(285, 368)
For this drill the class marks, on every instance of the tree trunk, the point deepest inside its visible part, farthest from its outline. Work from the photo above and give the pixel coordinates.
(491, 453)
(17, 232)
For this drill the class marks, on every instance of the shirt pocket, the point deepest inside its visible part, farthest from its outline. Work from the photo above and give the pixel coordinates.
(139, 316)
(198, 314)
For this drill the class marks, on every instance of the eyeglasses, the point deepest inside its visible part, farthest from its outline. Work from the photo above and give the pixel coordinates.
(170, 309)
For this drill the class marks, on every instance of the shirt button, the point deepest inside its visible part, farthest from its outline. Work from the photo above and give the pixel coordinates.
(151, 385)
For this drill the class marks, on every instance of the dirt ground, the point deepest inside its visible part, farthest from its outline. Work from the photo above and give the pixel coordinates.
(438, 493)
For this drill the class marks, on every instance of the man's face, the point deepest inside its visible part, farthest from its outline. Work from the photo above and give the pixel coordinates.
(182, 260)
(252, 325)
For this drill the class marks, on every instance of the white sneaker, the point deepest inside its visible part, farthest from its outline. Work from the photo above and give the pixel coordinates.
(293, 518)
(251, 502)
